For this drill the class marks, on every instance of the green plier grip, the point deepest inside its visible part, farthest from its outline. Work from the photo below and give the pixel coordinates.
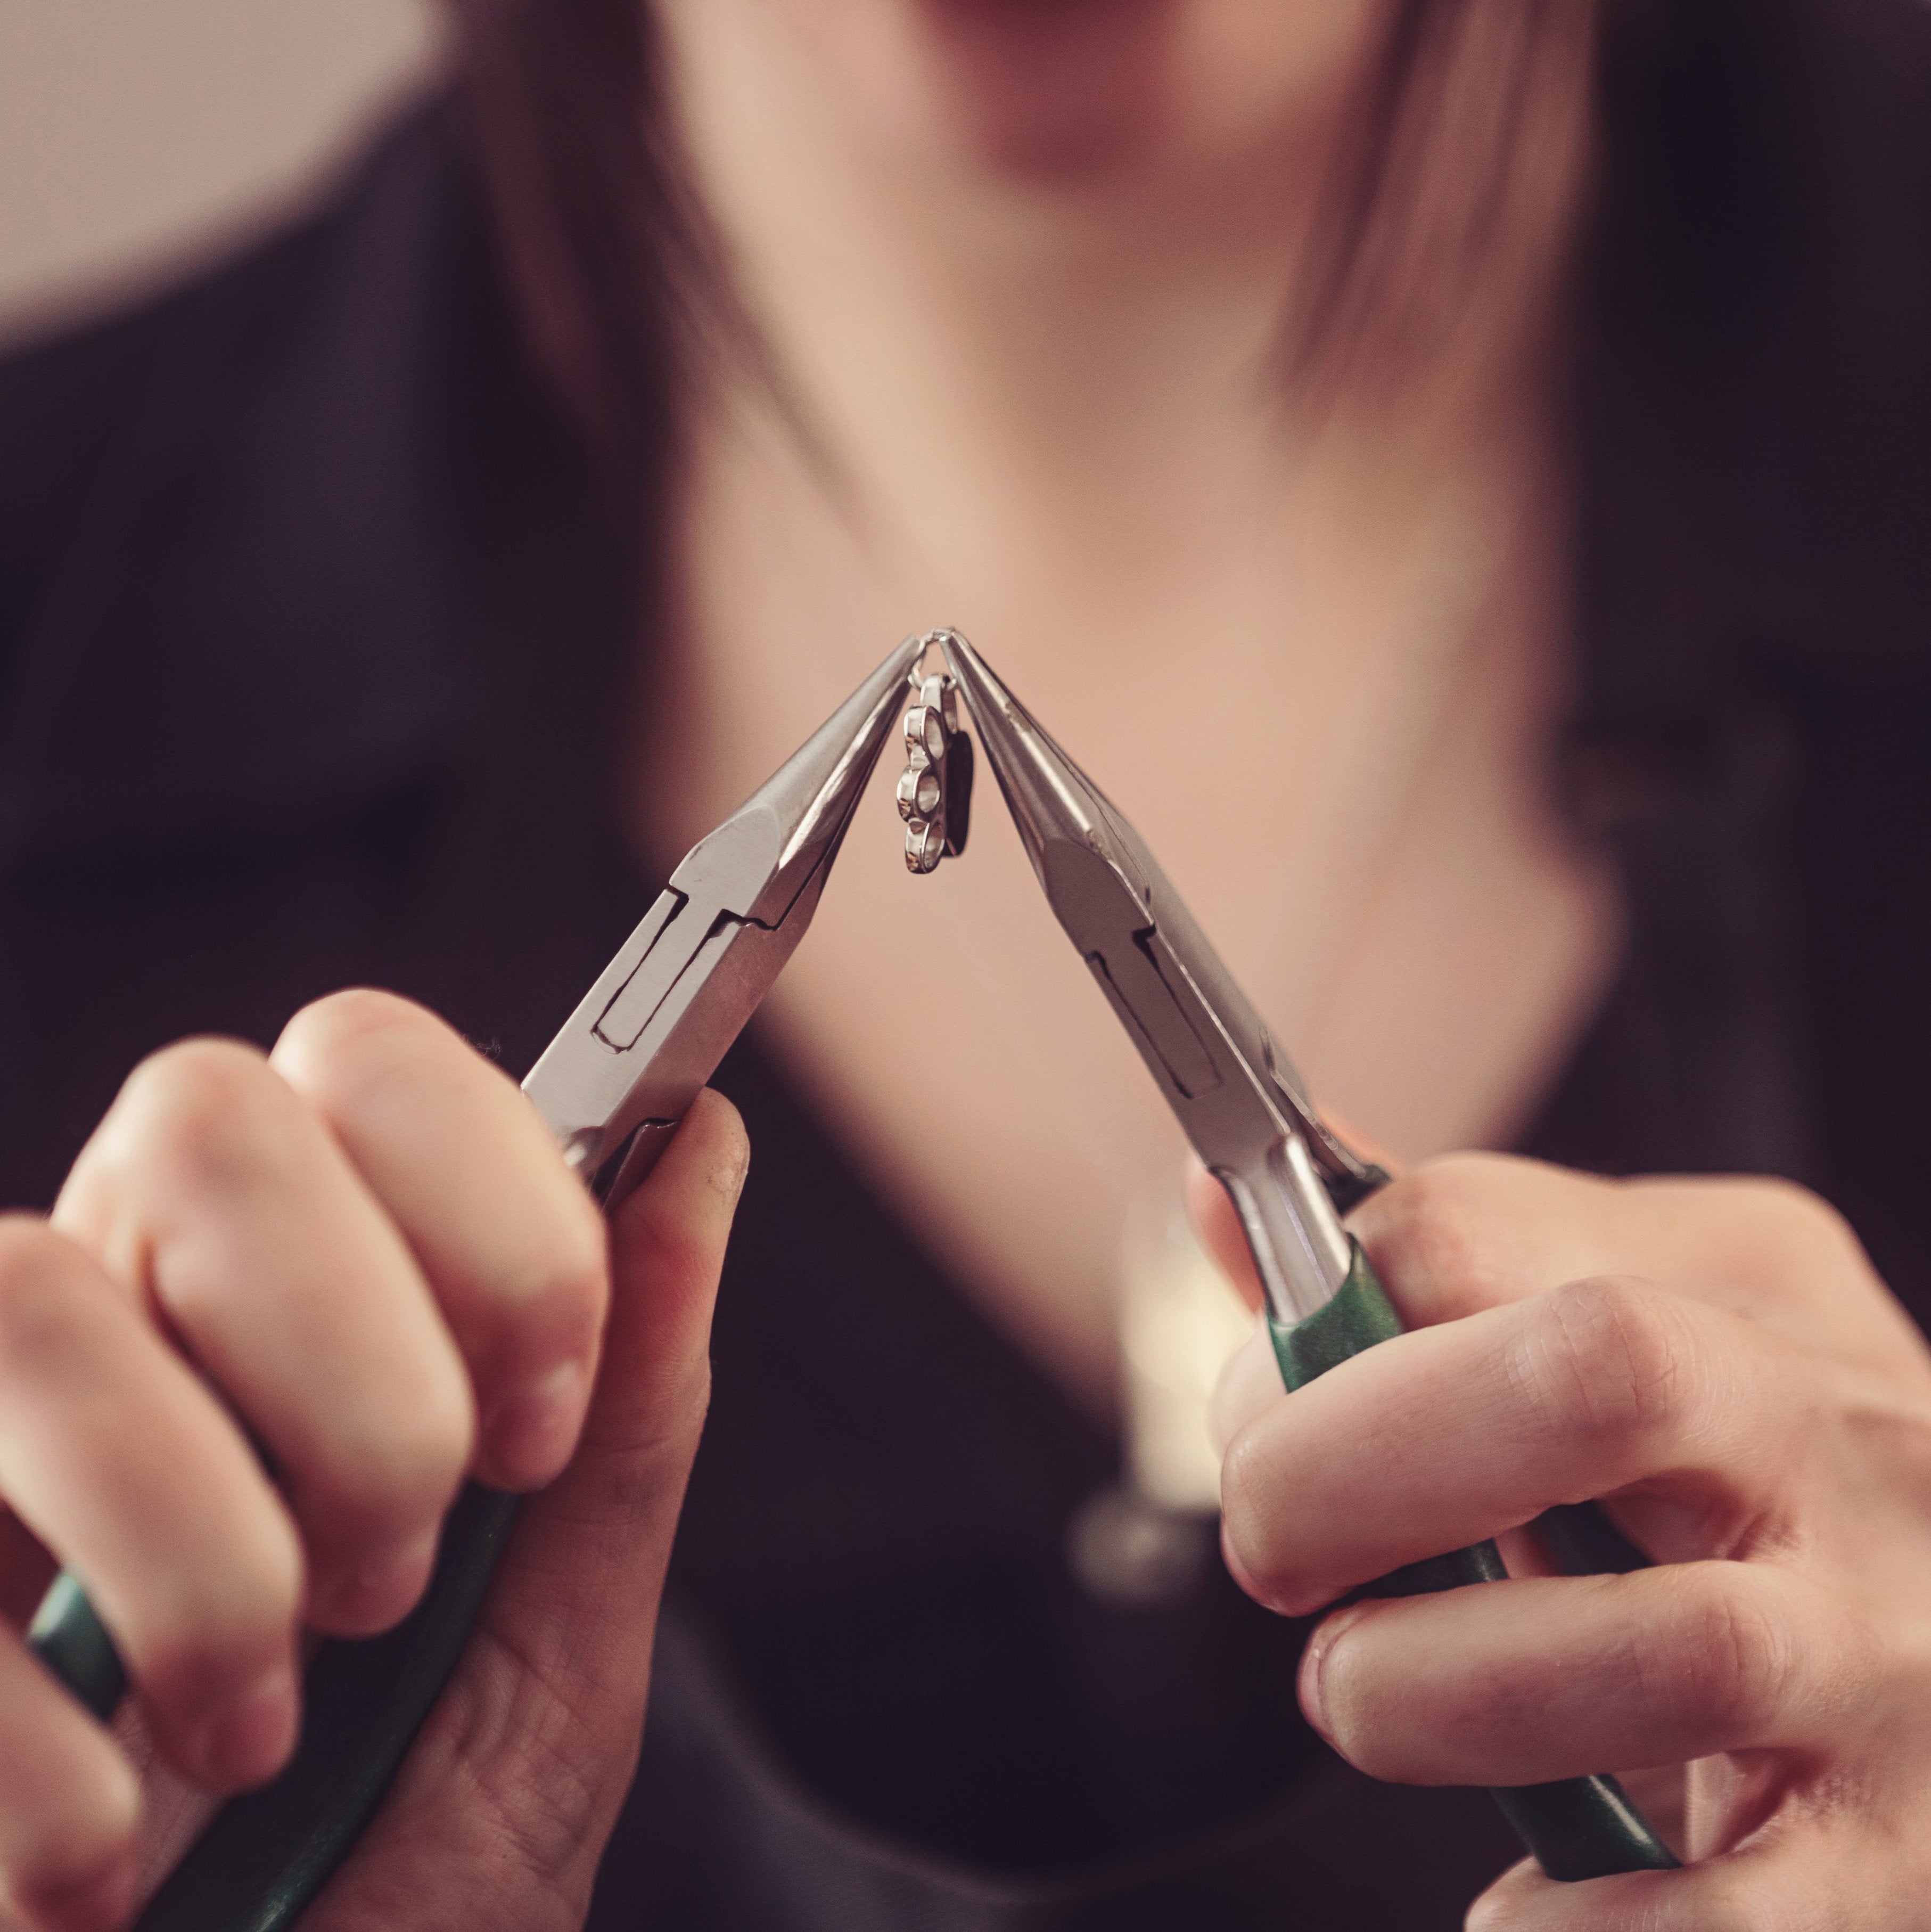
(268, 1852)
(1577, 1828)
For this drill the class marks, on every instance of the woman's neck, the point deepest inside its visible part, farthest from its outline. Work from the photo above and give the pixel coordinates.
(1013, 261)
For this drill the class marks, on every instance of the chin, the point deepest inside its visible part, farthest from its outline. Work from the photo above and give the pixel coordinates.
(1057, 87)
(1061, 90)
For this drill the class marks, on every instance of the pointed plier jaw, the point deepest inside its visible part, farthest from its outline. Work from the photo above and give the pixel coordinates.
(1238, 1097)
(1289, 1177)
(614, 1082)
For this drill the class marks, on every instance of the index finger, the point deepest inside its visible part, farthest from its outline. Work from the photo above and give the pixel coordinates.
(511, 1245)
(1465, 1232)
(1444, 1436)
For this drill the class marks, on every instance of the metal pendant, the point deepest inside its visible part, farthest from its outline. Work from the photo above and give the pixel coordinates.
(935, 792)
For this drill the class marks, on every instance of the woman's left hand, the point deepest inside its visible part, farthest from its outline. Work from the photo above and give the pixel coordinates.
(1717, 1362)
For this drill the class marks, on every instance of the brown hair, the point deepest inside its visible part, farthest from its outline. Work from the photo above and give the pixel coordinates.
(563, 102)
(1449, 204)
(619, 283)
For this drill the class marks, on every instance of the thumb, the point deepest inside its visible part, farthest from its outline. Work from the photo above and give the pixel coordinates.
(499, 1816)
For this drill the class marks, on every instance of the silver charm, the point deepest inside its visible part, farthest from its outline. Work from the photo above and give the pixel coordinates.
(935, 792)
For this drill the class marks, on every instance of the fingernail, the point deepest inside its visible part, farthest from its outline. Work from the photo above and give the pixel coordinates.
(1268, 1599)
(533, 1435)
(381, 1591)
(1314, 1666)
(248, 1742)
(1236, 1568)
(98, 1904)
(730, 1180)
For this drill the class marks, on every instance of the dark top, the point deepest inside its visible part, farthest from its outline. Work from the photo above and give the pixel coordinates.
(314, 616)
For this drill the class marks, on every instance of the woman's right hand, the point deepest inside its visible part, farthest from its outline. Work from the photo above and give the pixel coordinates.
(362, 1252)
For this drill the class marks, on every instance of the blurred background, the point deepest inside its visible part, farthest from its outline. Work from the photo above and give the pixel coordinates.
(138, 136)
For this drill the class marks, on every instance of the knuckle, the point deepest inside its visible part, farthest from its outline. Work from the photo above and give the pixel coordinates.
(1781, 1224)
(1771, 1197)
(350, 1022)
(345, 1049)
(1427, 1229)
(205, 1108)
(1734, 1660)
(1606, 1359)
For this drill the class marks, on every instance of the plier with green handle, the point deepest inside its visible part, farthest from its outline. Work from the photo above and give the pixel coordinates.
(1289, 1177)
(613, 1086)
(614, 1083)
